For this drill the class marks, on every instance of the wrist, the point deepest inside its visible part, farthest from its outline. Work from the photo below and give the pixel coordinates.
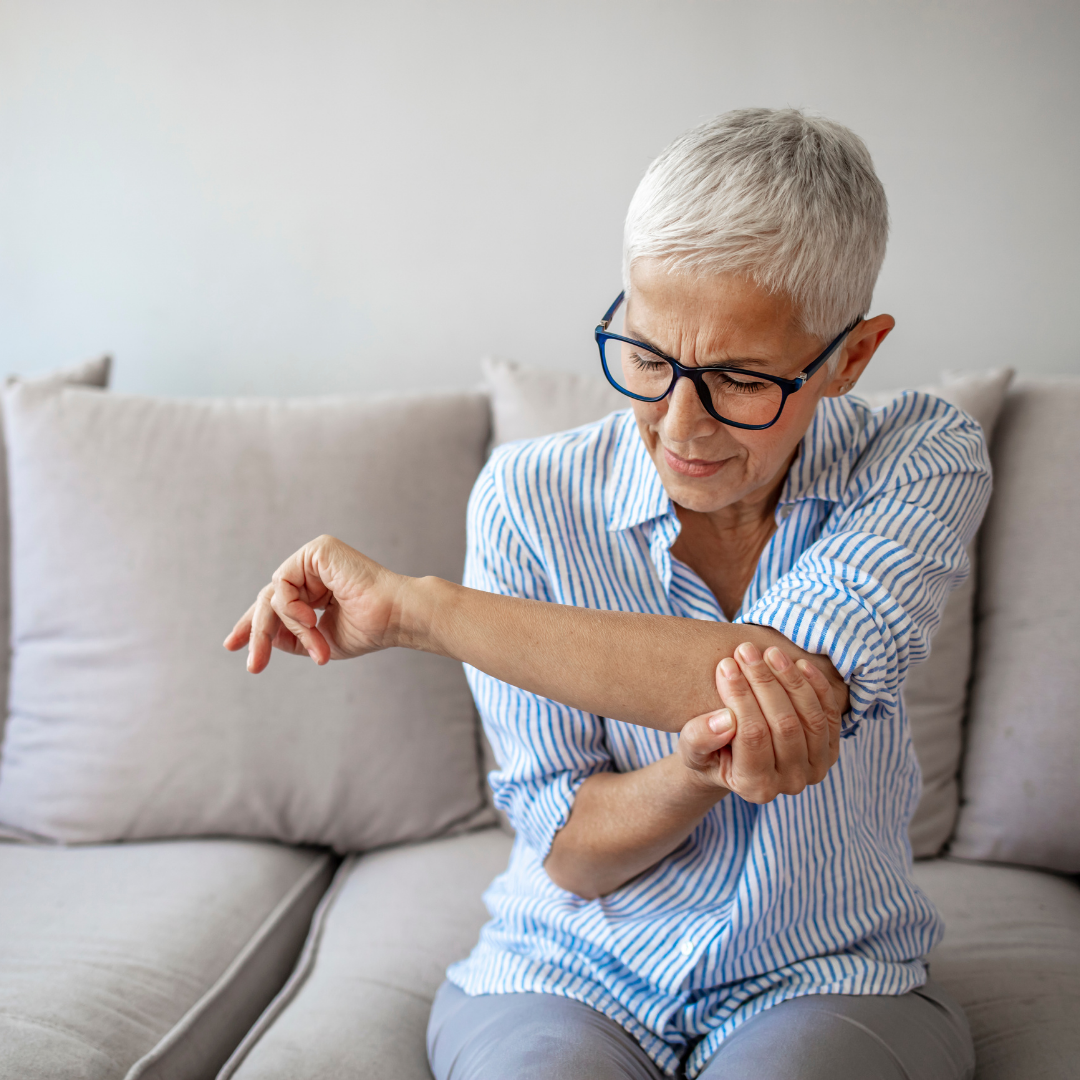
(420, 607)
(693, 788)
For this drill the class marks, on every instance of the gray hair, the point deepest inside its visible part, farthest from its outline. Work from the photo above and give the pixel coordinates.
(788, 200)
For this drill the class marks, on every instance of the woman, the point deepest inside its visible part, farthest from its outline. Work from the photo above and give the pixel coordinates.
(686, 627)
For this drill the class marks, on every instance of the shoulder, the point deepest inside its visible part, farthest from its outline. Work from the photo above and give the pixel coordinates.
(913, 433)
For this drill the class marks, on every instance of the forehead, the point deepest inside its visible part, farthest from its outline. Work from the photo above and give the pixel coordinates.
(711, 318)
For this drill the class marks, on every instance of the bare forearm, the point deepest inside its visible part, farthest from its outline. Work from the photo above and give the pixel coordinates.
(624, 823)
(654, 670)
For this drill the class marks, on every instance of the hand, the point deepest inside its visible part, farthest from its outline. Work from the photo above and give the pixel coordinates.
(779, 732)
(359, 600)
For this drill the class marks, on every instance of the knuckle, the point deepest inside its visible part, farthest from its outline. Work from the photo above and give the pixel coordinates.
(755, 737)
(787, 725)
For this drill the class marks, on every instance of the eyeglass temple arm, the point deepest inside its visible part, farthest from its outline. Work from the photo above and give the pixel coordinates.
(809, 372)
(605, 322)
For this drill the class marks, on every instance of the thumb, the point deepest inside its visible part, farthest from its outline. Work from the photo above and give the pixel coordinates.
(703, 736)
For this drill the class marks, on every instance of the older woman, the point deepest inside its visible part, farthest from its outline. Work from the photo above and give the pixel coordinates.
(686, 628)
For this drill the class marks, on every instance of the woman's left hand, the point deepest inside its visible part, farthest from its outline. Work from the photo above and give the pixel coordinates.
(787, 727)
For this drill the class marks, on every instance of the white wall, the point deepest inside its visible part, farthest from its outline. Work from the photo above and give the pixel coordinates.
(302, 197)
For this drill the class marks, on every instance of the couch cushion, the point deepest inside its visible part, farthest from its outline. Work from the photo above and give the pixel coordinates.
(1011, 957)
(142, 529)
(92, 373)
(1021, 797)
(527, 402)
(145, 960)
(358, 1003)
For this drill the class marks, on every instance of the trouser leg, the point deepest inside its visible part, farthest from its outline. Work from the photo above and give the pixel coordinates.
(922, 1035)
(529, 1037)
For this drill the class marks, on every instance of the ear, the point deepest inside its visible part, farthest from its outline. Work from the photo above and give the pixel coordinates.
(856, 353)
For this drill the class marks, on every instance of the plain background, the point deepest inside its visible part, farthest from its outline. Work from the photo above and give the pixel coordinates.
(258, 197)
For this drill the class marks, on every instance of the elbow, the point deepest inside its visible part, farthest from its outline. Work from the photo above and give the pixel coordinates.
(573, 879)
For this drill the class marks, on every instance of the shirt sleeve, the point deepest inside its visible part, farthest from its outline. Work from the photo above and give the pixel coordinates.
(870, 591)
(544, 750)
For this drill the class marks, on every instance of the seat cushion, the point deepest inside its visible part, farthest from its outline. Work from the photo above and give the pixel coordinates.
(145, 960)
(358, 1003)
(1011, 957)
(142, 529)
(1021, 801)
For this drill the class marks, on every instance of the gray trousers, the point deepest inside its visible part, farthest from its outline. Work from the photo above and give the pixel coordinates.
(921, 1035)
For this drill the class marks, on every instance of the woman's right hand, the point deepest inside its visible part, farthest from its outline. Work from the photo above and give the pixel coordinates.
(360, 603)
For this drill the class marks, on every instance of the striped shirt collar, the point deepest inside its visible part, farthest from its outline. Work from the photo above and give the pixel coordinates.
(635, 494)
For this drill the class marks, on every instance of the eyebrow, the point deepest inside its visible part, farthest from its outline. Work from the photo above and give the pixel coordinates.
(740, 361)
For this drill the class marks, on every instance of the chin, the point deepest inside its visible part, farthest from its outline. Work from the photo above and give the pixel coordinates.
(701, 499)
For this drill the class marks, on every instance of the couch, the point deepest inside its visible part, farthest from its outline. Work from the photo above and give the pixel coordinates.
(205, 874)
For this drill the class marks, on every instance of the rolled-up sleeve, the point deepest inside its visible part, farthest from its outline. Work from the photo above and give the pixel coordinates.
(544, 750)
(870, 590)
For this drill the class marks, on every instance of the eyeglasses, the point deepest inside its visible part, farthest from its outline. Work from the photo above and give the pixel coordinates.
(734, 396)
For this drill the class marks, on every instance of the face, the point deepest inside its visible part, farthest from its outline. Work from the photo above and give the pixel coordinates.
(707, 466)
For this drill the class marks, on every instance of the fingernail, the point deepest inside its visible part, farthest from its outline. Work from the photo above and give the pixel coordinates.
(805, 667)
(729, 668)
(722, 721)
(747, 653)
(778, 659)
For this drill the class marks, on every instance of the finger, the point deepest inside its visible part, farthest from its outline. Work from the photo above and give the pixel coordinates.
(264, 627)
(239, 634)
(753, 763)
(309, 637)
(788, 736)
(703, 736)
(809, 708)
(827, 696)
(702, 742)
(298, 586)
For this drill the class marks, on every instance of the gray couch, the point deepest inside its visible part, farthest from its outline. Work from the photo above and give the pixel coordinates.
(206, 874)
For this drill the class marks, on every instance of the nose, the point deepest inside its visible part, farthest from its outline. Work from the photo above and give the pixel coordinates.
(686, 417)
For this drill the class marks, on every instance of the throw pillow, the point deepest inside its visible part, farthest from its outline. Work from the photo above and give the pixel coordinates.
(93, 373)
(142, 529)
(1021, 800)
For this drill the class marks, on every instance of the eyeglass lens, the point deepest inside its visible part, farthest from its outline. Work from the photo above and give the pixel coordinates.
(737, 397)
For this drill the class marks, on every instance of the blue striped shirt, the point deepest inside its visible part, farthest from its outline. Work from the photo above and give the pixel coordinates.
(809, 894)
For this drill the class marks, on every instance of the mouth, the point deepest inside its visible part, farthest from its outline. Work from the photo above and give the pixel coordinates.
(697, 468)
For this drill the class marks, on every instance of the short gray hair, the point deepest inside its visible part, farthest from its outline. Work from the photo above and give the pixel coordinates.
(789, 200)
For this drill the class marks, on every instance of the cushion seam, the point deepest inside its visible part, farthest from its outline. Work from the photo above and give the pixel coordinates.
(206, 1002)
(295, 980)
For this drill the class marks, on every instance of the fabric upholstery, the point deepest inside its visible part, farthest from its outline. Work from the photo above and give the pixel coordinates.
(94, 373)
(1021, 800)
(1011, 957)
(142, 529)
(527, 402)
(145, 960)
(358, 1003)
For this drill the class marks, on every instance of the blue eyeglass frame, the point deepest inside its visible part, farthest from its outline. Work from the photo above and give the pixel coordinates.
(697, 374)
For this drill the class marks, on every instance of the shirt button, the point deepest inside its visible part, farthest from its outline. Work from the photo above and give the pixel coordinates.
(687, 947)
(785, 512)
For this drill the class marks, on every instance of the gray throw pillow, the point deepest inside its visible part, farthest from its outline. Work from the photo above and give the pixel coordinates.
(142, 529)
(1021, 799)
(527, 402)
(93, 373)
